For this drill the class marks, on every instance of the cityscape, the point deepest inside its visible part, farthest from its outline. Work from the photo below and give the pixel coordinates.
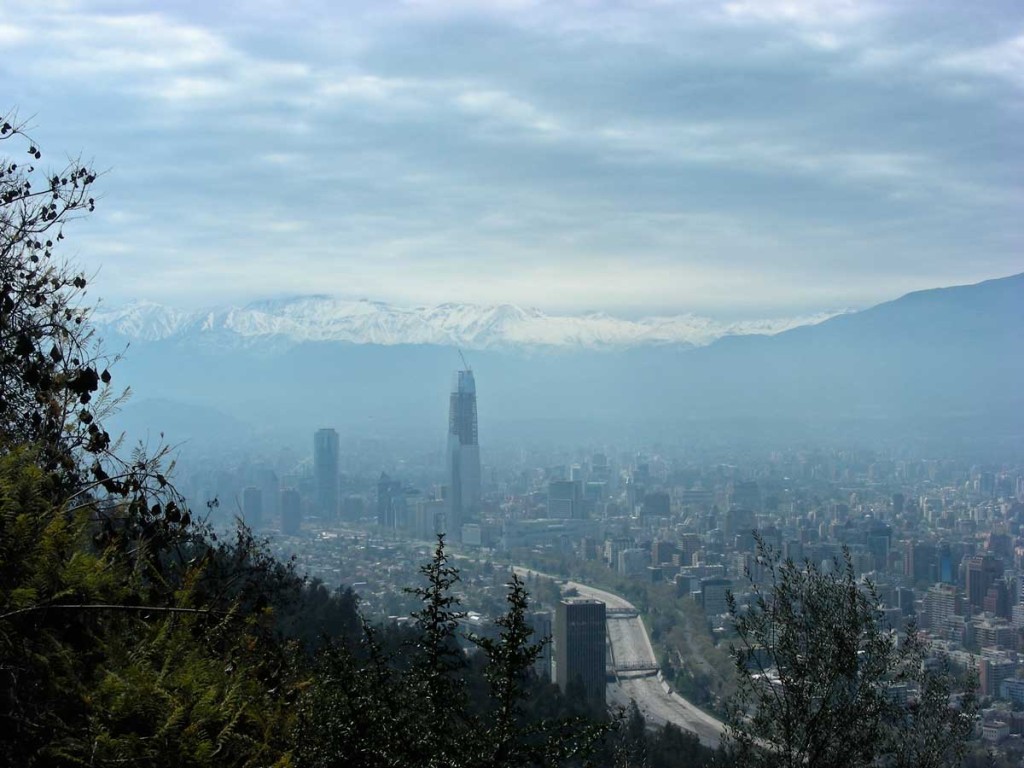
(512, 384)
(936, 538)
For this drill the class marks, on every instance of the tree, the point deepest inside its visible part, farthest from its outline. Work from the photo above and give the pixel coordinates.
(507, 736)
(438, 659)
(509, 661)
(822, 682)
(100, 667)
(425, 704)
(51, 374)
(54, 378)
(128, 634)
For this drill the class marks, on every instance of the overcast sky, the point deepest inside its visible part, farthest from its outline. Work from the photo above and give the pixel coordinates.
(737, 158)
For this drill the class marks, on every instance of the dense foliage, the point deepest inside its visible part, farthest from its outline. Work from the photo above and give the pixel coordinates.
(428, 703)
(822, 681)
(50, 370)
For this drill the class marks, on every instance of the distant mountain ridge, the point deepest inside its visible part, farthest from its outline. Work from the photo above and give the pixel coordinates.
(943, 363)
(323, 318)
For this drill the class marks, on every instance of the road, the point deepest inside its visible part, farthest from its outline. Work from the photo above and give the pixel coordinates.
(631, 645)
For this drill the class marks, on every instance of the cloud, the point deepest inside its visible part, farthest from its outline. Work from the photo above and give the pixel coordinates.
(151, 55)
(1004, 59)
(11, 35)
(593, 154)
(504, 109)
(812, 13)
(86, 45)
(366, 88)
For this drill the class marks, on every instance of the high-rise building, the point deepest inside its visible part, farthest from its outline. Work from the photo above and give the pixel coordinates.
(252, 507)
(878, 540)
(633, 561)
(463, 454)
(270, 488)
(738, 521)
(713, 592)
(920, 561)
(565, 499)
(947, 572)
(941, 604)
(905, 600)
(898, 502)
(992, 673)
(657, 504)
(540, 621)
(325, 472)
(390, 501)
(662, 551)
(291, 511)
(600, 470)
(982, 571)
(746, 495)
(997, 599)
(580, 647)
(689, 545)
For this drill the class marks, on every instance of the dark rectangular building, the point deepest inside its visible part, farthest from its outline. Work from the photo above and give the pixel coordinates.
(291, 511)
(580, 647)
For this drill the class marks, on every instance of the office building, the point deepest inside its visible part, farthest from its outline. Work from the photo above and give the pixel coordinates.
(252, 507)
(428, 518)
(662, 552)
(745, 495)
(463, 454)
(982, 571)
(920, 561)
(325, 473)
(941, 605)
(270, 488)
(657, 505)
(738, 521)
(390, 501)
(905, 601)
(878, 541)
(291, 511)
(580, 647)
(997, 599)
(600, 469)
(947, 573)
(713, 593)
(689, 546)
(565, 499)
(1012, 690)
(991, 632)
(541, 622)
(992, 673)
(633, 561)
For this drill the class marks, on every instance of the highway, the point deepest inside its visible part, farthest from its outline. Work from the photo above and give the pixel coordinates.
(631, 648)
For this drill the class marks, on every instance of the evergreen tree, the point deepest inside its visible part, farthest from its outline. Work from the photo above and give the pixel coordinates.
(434, 680)
(823, 682)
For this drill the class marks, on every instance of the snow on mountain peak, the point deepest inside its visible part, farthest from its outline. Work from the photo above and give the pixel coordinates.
(325, 318)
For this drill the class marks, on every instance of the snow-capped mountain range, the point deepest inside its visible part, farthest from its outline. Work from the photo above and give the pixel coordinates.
(323, 318)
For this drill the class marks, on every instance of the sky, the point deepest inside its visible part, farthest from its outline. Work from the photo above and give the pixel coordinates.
(737, 159)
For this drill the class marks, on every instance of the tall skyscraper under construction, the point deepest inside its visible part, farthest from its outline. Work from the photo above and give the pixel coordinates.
(463, 454)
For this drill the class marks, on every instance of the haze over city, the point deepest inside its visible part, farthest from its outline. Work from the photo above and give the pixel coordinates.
(512, 383)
